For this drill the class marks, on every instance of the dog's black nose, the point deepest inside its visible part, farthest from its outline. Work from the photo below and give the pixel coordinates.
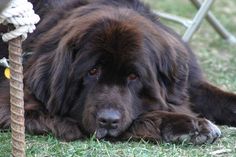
(109, 118)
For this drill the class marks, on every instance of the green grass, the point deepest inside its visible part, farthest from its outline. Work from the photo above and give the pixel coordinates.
(217, 58)
(42, 146)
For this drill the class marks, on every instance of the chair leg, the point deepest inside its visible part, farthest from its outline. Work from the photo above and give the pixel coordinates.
(219, 28)
(197, 20)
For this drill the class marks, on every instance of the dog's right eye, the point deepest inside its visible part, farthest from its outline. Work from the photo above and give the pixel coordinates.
(93, 72)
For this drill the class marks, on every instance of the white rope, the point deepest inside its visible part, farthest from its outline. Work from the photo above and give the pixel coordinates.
(20, 13)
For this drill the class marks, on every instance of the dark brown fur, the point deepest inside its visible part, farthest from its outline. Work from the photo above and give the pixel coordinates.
(111, 68)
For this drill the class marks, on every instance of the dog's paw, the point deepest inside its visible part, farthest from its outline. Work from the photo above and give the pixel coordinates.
(67, 130)
(195, 131)
(206, 132)
(70, 133)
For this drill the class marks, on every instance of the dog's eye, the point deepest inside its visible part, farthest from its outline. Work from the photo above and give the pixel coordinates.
(93, 72)
(132, 77)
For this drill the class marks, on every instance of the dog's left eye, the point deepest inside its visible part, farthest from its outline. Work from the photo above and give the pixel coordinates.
(132, 77)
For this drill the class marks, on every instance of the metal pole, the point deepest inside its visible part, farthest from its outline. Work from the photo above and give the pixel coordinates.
(184, 21)
(197, 19)
(219, 28)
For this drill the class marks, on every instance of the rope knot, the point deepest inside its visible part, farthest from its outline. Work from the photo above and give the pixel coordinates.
(20, 13)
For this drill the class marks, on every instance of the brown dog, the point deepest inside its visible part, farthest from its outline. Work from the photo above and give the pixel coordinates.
(110, 68)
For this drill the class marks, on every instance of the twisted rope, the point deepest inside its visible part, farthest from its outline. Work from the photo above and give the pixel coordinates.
(17, 98)
(19, 13)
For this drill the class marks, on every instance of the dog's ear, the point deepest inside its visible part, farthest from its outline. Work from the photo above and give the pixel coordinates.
(170, 56)
(47, 74)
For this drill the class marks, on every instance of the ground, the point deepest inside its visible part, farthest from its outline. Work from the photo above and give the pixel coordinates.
(217, 58)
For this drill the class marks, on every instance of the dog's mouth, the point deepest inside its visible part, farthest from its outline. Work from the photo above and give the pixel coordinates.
(102, 133)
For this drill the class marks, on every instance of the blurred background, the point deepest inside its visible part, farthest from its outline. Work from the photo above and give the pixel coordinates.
(217, 56)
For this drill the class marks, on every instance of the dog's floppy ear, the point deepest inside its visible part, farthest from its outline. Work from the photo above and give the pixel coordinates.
(171, 62)
(47, 74)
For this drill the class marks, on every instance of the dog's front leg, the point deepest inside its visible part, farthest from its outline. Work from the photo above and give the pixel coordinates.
(63, 128)
(172, 127)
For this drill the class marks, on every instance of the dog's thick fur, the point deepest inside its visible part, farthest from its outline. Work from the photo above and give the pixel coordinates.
(110, 68)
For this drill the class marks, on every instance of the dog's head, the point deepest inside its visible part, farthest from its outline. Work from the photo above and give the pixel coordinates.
(103, 67)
